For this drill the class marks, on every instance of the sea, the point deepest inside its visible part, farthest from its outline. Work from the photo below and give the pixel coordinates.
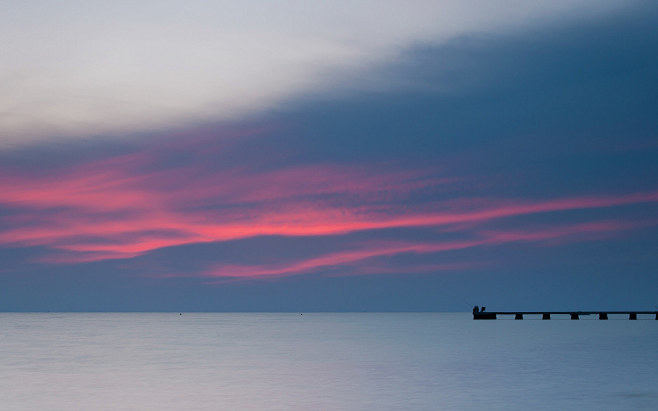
(324, 361)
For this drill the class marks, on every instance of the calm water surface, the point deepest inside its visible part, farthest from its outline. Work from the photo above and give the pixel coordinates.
(323, 361)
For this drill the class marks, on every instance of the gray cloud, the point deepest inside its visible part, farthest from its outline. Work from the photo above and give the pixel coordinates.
(82, 69)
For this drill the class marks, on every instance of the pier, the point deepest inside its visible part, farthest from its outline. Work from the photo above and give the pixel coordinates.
(546, 315)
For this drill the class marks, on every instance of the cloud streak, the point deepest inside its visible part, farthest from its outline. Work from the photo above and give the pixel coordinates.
(128, 206)
(363, 258)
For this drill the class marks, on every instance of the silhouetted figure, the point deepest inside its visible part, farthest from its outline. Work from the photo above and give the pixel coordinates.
(476, 309)
(483, 308)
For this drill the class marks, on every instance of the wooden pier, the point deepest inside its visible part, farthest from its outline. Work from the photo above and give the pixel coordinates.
(546, 315)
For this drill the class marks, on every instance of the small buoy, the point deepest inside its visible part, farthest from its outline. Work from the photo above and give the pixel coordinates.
(180, 313)
(301, 314)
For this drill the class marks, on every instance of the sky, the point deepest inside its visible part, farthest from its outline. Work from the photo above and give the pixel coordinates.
(328, 156)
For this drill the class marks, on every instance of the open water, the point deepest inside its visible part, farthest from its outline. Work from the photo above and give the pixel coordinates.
(364, 361)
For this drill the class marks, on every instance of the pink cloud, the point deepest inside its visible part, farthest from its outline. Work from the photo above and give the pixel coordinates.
(126, 206)
(333, 260)
(363, 260)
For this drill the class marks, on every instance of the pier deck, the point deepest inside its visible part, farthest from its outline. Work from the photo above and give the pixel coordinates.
(546, 315)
